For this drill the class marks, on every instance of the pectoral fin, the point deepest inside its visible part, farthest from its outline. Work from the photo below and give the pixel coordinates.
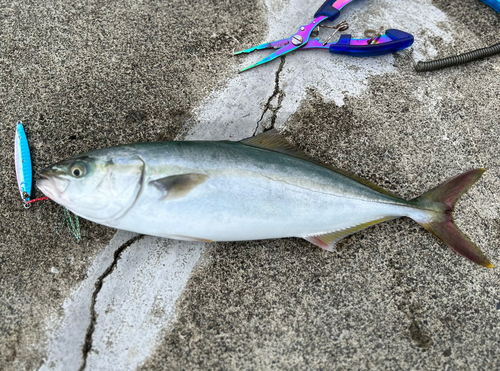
(328, 240)
(177, 186)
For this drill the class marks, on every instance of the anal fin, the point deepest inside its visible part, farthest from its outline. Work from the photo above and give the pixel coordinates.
(185, 238)
(328, 240)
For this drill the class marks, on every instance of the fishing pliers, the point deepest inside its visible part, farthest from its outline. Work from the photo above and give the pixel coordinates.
(376, 43)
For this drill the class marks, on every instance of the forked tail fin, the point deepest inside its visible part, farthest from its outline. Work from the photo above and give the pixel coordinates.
(442, 200)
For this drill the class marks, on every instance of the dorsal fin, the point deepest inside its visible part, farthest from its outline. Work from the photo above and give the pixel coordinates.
(274, 141)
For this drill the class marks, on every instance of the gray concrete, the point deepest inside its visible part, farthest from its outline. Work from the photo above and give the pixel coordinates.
(390, 297)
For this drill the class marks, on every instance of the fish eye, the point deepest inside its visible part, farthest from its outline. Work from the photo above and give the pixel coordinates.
(78, 170)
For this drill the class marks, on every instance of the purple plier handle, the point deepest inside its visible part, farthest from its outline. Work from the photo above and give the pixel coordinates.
(331, 9)
(390, 42)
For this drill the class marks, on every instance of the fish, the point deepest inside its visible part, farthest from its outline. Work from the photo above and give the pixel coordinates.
(22, 159)
(255, 189)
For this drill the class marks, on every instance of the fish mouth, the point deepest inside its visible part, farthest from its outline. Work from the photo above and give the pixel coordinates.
(51, 184)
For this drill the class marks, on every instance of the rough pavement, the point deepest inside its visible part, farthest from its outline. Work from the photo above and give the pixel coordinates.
(390, 297)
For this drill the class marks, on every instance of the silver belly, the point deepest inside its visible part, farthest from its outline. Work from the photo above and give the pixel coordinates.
(229, 208)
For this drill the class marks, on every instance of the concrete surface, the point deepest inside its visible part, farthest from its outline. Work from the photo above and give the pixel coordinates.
(134, 303)
(391, 297)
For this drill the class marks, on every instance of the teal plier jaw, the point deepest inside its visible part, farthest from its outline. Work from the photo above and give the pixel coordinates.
(329, 10)
(390, 42)
(296, 41)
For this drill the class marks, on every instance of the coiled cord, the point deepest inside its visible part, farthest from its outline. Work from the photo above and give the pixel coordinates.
(458, 59)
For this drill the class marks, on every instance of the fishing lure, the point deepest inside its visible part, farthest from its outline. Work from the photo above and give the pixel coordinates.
(73, 226)
(23, 164)
(464, 58)
(22, 161)
(495, 4)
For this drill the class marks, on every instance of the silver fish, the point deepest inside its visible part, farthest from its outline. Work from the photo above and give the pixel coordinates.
(259, 188)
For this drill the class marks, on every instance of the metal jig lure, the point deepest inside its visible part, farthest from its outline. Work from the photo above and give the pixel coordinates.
(23, 164)
(22, 161)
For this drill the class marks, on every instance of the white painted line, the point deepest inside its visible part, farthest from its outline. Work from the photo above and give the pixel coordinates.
(65, 344)
(137, 301)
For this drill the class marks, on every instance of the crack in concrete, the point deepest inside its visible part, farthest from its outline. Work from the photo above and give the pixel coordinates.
(277, 92)
(87, 346)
